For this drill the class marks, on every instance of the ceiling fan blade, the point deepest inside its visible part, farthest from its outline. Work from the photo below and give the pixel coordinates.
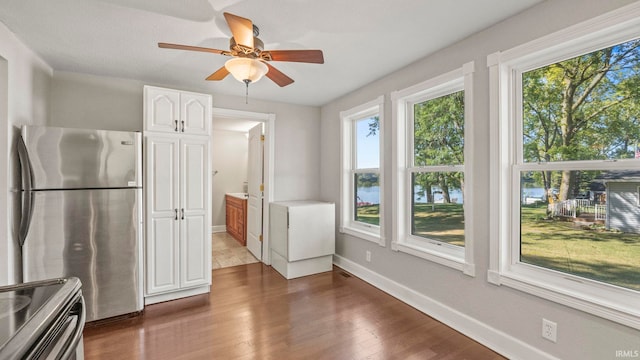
(306, 56)
(241, 29)
(277, 76)
(219, 74)
(192, 48)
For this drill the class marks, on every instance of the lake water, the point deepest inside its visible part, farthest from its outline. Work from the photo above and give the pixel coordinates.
(372, 195)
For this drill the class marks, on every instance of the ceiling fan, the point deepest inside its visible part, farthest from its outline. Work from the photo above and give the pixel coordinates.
(250, 62)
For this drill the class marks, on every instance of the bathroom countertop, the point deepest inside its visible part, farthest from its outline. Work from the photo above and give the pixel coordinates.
(239, 195)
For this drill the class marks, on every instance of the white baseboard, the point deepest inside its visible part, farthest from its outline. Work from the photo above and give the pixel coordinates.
(218, 228)
(492, 338)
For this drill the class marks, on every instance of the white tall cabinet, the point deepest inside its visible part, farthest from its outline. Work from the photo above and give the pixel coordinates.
(177, 156)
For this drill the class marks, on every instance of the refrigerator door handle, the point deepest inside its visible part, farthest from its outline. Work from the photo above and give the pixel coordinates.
(27, 212)
(26, 174)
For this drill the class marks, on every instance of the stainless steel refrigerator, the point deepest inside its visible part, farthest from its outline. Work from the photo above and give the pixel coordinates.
(82, 213)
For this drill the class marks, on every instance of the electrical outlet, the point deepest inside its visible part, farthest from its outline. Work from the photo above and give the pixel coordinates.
(549, 330)
(368, 256)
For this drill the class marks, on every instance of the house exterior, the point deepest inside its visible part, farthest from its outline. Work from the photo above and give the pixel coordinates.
(623, 200)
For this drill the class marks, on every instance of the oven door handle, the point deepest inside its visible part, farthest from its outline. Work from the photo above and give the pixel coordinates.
(79, 311)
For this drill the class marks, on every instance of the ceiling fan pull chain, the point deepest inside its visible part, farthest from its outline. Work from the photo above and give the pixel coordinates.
(246, 95)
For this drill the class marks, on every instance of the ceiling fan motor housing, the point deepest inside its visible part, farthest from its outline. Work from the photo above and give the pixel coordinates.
(245, 51)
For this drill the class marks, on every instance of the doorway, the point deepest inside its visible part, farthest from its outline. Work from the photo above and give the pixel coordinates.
(234, 185)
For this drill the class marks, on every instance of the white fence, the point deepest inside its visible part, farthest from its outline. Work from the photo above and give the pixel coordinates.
(601, 212)
(573, 207)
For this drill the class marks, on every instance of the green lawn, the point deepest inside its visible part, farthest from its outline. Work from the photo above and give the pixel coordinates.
(442, 222)
(607, 256)
(369, 214)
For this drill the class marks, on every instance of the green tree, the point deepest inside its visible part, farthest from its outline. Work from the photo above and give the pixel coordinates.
(582, 108)
(439, 140)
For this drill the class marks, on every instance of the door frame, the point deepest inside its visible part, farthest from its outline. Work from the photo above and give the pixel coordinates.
(269, 120)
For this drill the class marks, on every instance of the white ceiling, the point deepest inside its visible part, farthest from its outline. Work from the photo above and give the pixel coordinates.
(362, 40)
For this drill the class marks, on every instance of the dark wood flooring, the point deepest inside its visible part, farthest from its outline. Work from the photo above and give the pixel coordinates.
(254, 313)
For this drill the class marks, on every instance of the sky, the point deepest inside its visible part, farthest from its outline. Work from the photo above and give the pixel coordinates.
(367, 147)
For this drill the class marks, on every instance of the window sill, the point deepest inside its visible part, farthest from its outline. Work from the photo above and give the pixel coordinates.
(365, 235)
(430, 253)
(612, 303)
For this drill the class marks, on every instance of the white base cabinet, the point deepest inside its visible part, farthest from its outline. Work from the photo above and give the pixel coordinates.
(302, 237)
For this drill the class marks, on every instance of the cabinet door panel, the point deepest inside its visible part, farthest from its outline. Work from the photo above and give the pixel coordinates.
(162, 256)
(195, 254)
(196, 243)
(162, 177)
(194, 174)
(162, 184)
(162, 109)
(196, 113)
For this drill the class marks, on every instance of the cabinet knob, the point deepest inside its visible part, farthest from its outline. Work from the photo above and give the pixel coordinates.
(176, 128)
(176, 210)
(182, 125)
(182, 217)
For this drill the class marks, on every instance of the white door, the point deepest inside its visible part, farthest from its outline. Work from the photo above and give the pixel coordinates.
(163, 225)
(195, 243)
(255, 189)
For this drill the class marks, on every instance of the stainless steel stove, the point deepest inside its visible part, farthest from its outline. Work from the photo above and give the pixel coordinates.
(42, 320)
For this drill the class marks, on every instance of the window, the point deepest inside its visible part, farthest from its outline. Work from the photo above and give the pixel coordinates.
(566, 170)
(361, 181)
(433, 127)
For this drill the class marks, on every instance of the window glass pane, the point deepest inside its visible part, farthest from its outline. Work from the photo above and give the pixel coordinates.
(367, 201)
(438, 131)
(584, 108)
(368, 143)
(585, 223)
(436, 210)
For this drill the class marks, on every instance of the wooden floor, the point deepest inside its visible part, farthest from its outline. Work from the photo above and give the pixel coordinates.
(254, 313)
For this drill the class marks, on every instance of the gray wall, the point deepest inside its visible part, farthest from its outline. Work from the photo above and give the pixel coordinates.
(97, 102)
(24, 86)
(229, 162)
(505, 310)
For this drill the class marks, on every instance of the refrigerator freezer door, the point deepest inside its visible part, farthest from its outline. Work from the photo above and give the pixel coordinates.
(62, 158)
(93, 235)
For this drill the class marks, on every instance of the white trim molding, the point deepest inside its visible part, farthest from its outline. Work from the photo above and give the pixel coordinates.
(269, 168)
(505, 71)
(347, 225)
(457, 257)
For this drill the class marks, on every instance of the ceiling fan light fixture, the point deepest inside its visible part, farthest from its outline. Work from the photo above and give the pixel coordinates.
(246, 69)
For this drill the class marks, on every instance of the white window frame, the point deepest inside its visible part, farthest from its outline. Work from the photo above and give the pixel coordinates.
(348, 119)
(506, 68)
(457, 257)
